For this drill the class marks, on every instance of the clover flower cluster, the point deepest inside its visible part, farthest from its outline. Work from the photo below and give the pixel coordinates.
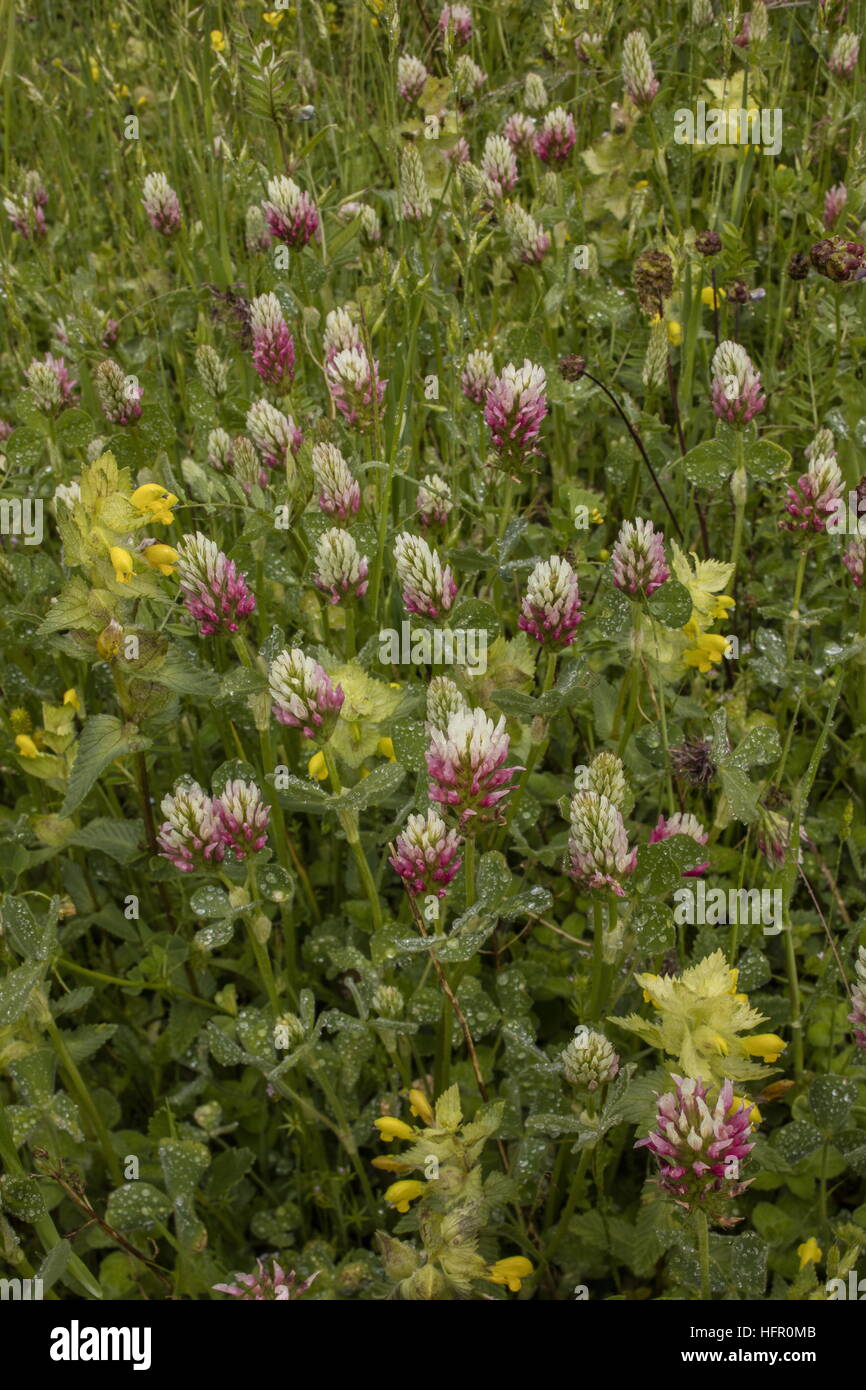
(161, 204)
(291, 215)
(514, 409)
(466, 762)
(200, 830)
(638, 558)
(273, 345)
(428, 586)
(699, 1144)
(551, 608)
(304, 697)
(426, 855)
(215, 594)
(736, 386)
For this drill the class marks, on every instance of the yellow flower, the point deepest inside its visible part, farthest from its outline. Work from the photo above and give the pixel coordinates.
(675, 333)
(26, 747)
(707, 296)
(709, 649)
(70, 697)
(217, 41)
(156, 500)
(596, 517)
(94, 69)
(722, 605)
(510, 1272)
(317, 767)
(121, 90)
(642, 183)
(161, 557)
(385, 749)
(716, 1041)
(400, 1194)
(272, 18)
(390, 1165)
(810, 1252)
(122, 562)
(391, 1128)
(767, 1046)
(419, 1105)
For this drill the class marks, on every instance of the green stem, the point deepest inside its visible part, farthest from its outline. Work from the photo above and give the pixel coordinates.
(703, 1232)
(85, 1100)
(349, 821)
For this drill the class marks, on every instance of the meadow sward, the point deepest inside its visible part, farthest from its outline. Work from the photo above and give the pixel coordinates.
(433, 655)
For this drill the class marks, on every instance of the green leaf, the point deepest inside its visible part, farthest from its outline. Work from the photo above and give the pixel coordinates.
(831, 1098)
(372, 790)
(29, 937)
(766, 461)
(276, 884)
(184, 1163)
(75, 427)
(122, 841)
(211, 901)
(475, 614)
(22, 1198)
(103, 739)
(711, 463)
(671, 604)
(16, 989)
(136, 1206)
(212, 938)
(654, 927)
(297, 795)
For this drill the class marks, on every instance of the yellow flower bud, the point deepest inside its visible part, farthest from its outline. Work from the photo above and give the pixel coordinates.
(26, 747)
(391, 1128)
(161, 557)
(400, 1194)
(420, 1106)
(385, 749)
(675, 333)
(156, 500)
(767, 1046)
(70, 697)
(707, 296)
(217, 40)
(122, 562)
(317, 767)
(510, 1272)
(390, 1165)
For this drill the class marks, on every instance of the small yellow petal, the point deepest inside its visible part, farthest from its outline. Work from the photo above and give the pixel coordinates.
(122, 563)
(810, 1252)
(400, 1194)
(317, 767)
(70, 697)
(768, 1046)
(510, 1272)
(420, 1106)
(391, 1128)
(385, 749)
(26, 747)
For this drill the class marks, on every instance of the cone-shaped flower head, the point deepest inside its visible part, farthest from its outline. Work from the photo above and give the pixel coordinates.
(220, 452)
(515, 408)
(189, 836)
(426, 854)
(161, 204)
(653, 277)
(639, 565)
(638, 76)
(273, 345)
(411, 76)
(339, 490)
(834, 202)
(352, 381)
(555, 137)
(213, 591)
(434, 500)
(598, 847)
(468, 78)
(466, 765)
(371, 227)
(519, 130)
(341, 570)
(257, 235)
(498, 166)
(478, 375)
(816, 496)
(213, 372)
(457, 19)
(529, 242)
(443, 700)
(736, 388)
(843, 58)
(415, 201)
(701, 1144)
(551, 610)
(291, 214)
(589, 1060)
(341, 332)
(858, 999)
(304, 696)
(606, 776)
(50, 385)
(119, 395)
(242, 818)
(275, 435)
(25, 210)
(428, 586)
